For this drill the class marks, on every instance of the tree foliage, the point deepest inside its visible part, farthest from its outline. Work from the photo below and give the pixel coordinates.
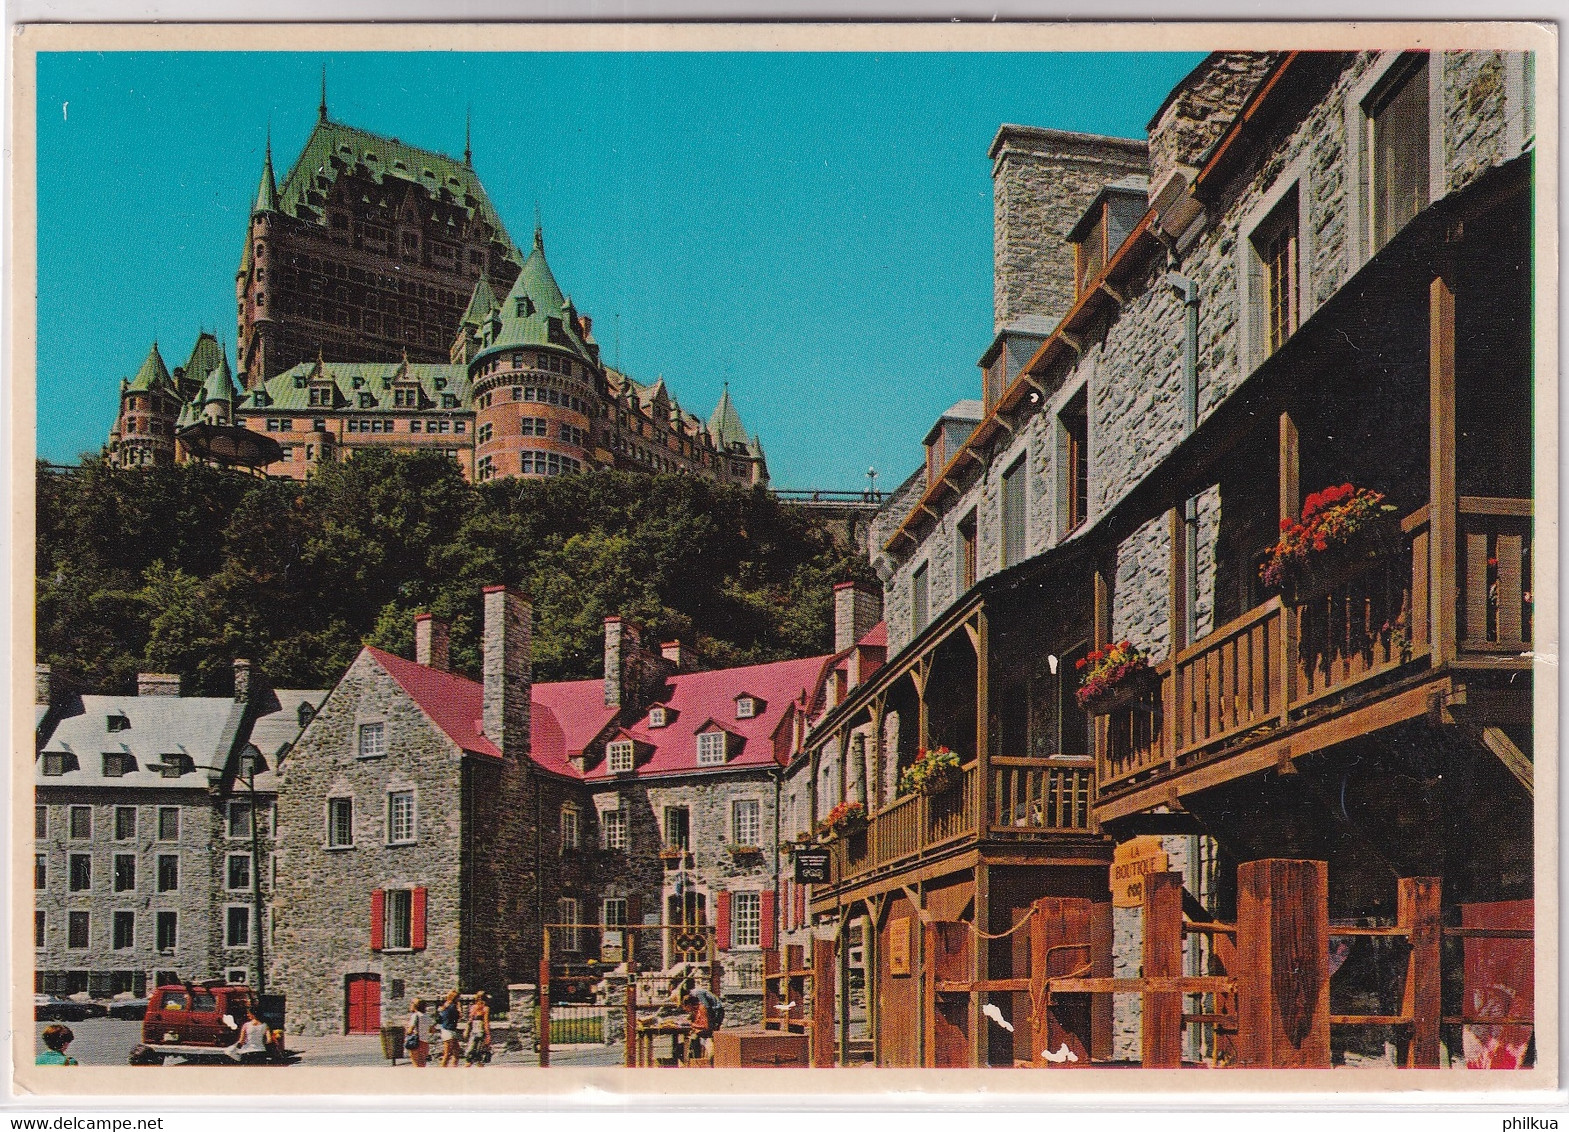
(183, 569)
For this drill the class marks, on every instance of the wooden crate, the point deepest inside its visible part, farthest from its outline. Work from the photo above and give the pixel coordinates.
(769, 1049)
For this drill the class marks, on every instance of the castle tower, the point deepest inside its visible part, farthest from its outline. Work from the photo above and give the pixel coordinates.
(255, 331)
(536, 380)
(143, 435)
(740, 457)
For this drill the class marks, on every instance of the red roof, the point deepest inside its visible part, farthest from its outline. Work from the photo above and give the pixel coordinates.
(563, 718)
(876, 637)
(699, 698)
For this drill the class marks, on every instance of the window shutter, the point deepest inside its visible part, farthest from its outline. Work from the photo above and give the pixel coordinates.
(724, 920)
(787, 908)
(800, 905)
(378, 918)
(417, 919)
(635, 909)
(768, 916)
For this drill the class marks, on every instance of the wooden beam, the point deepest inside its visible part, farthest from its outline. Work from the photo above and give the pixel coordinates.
(980, 1029)
(1420, 911)
(1161, 1016)
(822, 1004)
(1178, 589)
(1185, 984)
(1290, 497)
(1283, 943)
(1513, 758)
(1442, 498)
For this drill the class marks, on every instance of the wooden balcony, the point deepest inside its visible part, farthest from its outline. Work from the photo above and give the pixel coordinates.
(1029, 800)
(1278, 666)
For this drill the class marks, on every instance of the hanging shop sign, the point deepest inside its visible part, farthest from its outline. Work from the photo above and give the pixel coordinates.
(1131, 862)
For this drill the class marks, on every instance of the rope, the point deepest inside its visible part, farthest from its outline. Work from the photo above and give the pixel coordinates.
(1009, 932)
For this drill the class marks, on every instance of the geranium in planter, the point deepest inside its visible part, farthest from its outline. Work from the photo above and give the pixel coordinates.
(1341, 529)
(846, 819)
(934, 772)
(1112, 678)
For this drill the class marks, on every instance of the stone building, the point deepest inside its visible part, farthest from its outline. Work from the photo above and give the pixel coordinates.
(145, 870)
(432, 827)
(381, 302)
(1330, 268)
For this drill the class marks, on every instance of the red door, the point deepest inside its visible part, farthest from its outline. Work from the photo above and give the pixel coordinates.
(364, 999)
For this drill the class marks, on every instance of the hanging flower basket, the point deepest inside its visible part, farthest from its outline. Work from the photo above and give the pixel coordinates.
(1114, 678)
(1342, 529)
(845, 820)
(934, 772)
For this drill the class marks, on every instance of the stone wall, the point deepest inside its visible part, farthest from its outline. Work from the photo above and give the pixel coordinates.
(1200, 109)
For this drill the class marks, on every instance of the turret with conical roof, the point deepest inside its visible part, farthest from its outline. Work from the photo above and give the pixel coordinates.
(267, 191)
(149, 414)
(535, 313)
(724, 423)
(218, 394)
(153, 375)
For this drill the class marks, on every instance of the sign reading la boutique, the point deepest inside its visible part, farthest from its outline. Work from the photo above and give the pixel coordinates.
(1131, 862)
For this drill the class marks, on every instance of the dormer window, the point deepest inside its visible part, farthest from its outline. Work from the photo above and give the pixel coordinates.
(299, 381)
(307, 712)
(1089, 254)
(619, 756)
(117, 764)
(57, 763)
(711, 748)
(745, 707)
(657, 717)
(118, 722)
(176, 765)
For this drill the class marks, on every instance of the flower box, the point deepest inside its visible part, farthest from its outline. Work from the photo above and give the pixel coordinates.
(845, 820)
(1115, 677)
(934, 772)
(1341, 531)
(746, 852)
(1138, 686)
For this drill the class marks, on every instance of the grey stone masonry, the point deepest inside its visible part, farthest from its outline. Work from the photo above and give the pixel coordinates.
(508, 670)
(432, 642)
(1042, 182)
(157, 684)
(1199, 109)
(857, 609)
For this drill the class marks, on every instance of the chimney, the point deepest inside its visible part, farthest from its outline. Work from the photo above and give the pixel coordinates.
(41, 675)
(857, 608)
(622, 641)
(430, 642)
(508, 670)
(242, 681)
(677, 654)
(157, 684)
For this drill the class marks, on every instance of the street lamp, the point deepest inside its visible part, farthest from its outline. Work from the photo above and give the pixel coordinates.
(251, 764)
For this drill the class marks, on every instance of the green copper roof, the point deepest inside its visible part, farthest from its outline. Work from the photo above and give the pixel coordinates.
(724, 425)
(481, 303)
(152, 376)
(363, 387)
(333, 147)
(267, 191)
(206, 356)
(529, 310)
(220, 384)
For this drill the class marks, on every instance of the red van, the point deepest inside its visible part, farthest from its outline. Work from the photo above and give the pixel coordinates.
(201, 1020)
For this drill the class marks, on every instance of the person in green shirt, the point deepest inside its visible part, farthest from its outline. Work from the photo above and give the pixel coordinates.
(56, 1038)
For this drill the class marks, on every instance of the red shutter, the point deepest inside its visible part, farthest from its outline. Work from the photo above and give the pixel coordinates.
(724, 920)
(769, 916)
(786, 907)
(378, 918)
(417, 919)
(800, 905)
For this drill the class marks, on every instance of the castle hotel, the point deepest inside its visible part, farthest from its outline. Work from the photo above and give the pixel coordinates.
(381, 302)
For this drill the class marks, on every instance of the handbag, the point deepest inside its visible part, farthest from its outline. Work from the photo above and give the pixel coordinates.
(411, 1041)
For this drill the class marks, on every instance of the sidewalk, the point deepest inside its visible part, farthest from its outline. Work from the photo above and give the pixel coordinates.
(365, 1049)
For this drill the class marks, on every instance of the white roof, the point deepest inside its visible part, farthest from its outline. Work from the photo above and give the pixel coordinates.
(203, 728)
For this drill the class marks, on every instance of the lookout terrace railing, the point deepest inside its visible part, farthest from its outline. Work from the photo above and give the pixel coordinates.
(1029, 799)
(1278, 662)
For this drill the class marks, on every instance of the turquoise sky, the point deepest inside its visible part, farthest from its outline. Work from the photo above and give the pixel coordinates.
(813, 228)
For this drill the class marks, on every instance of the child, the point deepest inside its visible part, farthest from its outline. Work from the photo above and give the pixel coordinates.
(56, 1037)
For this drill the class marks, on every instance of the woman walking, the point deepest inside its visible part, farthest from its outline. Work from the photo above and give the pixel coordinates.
(479, 1031)
(447, 1029)
(417, 1034)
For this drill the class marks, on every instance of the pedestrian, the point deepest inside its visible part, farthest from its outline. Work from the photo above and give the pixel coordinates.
(416, 1034)
(251, 1046)
(479, 1031)
(56, 1037)
(447, 1029)
(702, 1025)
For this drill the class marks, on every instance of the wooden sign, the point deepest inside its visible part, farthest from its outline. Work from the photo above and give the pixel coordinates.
(899, 946)
(612, 947)
(1131, 862)
(811, 866)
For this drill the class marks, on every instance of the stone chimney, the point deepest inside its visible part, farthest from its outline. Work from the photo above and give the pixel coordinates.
(1194, 116)
(157, 684)
(623, 642)
(431, 642)
(41, 674)
(857, 608)
(242, 681)
(508, 670)
(678, 655)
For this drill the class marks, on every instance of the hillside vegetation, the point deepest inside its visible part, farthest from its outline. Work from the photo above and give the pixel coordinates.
(182, 569)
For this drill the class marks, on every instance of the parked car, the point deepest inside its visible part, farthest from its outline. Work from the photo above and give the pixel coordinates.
(198, 1021)
(87, 1007)
(133, 1008)
(50, 1008)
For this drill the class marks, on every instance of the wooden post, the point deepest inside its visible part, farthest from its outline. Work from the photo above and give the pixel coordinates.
(822, 1004)
(1420, 913)
(879, 714)
(922, 721)
(843, 1057)
(771, 989)
(1101, 593)
(1101, 1012)
(1181, 586)
(544, 1010)
(1162, 1013)
(1443, 509)
(928, 1012)
(1290, 508)
(631, 1000)
(980, 1028)
(981, 798)
(1283, 952)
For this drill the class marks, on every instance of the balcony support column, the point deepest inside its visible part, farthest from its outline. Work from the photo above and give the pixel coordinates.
(1443, 510)
(1181, 618)
(1101, 591)
(1290, 509)
(980, 1025)
(980, 800)
(879, 756)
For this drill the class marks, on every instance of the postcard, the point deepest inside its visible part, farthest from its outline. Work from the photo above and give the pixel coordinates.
(785, 558)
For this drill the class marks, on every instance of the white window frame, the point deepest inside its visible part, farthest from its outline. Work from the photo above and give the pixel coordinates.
(229, 939)
(158, 878)
(746, 919)
(1359, 156)
(711, 748)
(70, 917)
(237, 975)
(739, 834)
(331, 841)
(228, 872)
(397, 922)
(40, 872)
(164, 811)
(615, 827)
(71, 823)
(571, 827)
(114, 882)
(237, 820)
(567, 913)
(657, 716)
(1253, 298)
(746, 707)
(371, 739)
(40, 929)
(158, 921)
(620, 756)
(135, 821)
(114, 930)
(40, 821)
(614, 911)
(393, 798)
(70, 872)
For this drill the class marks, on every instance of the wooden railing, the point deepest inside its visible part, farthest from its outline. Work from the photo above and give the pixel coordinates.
(1496, 593)
(1040, 796)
